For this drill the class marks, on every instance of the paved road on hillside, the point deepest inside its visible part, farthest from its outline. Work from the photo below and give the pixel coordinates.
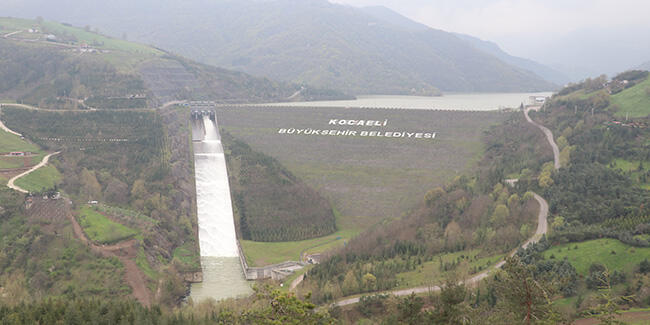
(30, 107)
(547, 133)
(542, 228)
(43, 162)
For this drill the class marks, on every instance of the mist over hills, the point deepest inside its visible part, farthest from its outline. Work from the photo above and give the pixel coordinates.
(355, 50)
(541, 70)
(645, 66)
(488, 47)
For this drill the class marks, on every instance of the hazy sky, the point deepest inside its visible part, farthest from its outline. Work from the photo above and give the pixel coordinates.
(518, 25)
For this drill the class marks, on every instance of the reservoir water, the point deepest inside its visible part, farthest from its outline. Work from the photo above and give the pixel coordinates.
(222, 273)
(451, 101)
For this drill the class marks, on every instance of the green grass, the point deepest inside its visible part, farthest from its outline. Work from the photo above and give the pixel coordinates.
(625, 258)
(287, 281)
(632, 167)
(626, 165)
(102, 230)
(119, 212)
(46, 177)
(107, 42)
(634, 101)
(8, 25)
(430, 273)
(143, 264)
(11, 162)
(122, 54)
(263, 253)
(188, 256)
(11, 142)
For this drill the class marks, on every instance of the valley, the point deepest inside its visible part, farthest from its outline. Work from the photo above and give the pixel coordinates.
(336, 165)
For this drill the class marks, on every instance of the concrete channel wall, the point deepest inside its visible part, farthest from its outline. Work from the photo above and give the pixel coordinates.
(276, 271)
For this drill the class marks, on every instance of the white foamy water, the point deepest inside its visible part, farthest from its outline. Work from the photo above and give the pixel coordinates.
(222, 273)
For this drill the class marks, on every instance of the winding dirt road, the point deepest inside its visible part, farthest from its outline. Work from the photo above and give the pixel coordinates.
(43, 162)
(542, 228)
(6, 129)
(547, 133)
(126, 252)
(34, 108)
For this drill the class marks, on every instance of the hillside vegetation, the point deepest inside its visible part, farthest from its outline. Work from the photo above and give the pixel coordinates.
(633, 102)
(475, 216)
(355, 51)
(39, 257)
(80, 69)
(132, 173)
(272, 204)
(459, 228)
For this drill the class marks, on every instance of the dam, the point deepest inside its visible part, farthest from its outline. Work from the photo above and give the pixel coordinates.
(223, 276)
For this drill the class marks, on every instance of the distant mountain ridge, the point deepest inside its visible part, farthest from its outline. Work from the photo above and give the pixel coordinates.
(491, 48)
(539, 69)
(314, 42)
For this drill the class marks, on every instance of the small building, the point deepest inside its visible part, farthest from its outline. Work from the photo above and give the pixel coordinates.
(314, 258)
(93, 202)
(51, 37)
(536, 100)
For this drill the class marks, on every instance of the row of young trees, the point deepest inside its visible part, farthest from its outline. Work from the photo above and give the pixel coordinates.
(272, 204)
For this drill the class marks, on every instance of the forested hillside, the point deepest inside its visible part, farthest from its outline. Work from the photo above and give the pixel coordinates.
(47, 77)
(63, 67)
(354, 52)
(125, 161)
(604, 189)
(272, 204)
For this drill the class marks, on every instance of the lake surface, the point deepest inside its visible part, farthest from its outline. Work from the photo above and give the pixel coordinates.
(452, 101)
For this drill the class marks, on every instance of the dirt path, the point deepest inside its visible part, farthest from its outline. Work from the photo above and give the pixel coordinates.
(43, 162)
(12, 33)
(126, 252)
(296, 282)
(34, 108)
(547, 133)
(6, 129)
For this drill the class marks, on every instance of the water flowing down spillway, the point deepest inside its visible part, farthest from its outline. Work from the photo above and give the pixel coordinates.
(222, 273)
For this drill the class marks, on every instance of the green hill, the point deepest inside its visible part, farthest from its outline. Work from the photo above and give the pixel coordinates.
(55, 65)
(634, 101)
(354, 51)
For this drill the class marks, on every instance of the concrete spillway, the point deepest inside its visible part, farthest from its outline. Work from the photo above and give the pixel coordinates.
(222, 273)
